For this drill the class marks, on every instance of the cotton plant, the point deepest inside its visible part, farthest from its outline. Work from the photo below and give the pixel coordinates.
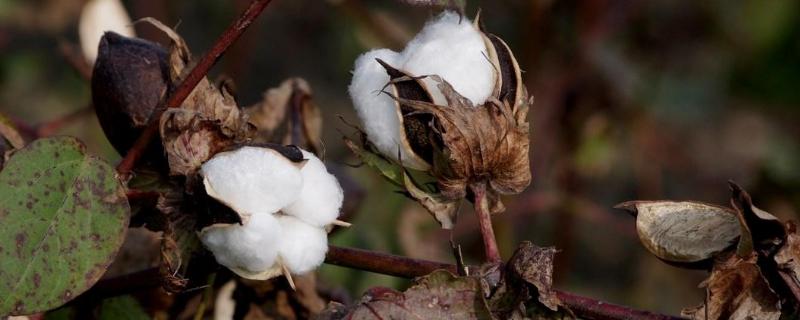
(287, 201)
(451, 104)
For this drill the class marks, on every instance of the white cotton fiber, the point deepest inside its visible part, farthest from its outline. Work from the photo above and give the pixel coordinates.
(252, 179)
(321, 196)
(447, 47)
(302, 247)
(252, 247)
(455, 51)
(378, 111)
(97, 17)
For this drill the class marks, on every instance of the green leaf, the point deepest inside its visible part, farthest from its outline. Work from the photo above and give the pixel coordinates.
(63, 217)
(388, 169)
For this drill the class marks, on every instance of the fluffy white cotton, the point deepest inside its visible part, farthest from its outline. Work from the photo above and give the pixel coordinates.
(252, 247)
(456, 52)
(301, 247)
(321, 196)
(252, 179)
(97, 17)
(377, 110)
(447, 47)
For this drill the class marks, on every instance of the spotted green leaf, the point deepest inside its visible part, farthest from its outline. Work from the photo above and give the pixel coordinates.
(63, 216)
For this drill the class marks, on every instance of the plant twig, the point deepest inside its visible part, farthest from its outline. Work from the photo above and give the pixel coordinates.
(485, 222)
(588, 308)
(383, 263)
(192, 79)
(73, 55)
(405, 267)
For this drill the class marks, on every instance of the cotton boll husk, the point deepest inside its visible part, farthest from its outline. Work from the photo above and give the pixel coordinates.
(378, 111)
(454, 50)
(97, 17)
(301, 246)
(321, 196)
(252, 179)
(251, 248)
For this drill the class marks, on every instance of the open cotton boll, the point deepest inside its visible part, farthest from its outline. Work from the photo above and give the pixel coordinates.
(454, 50)
(321, 196)
(252, 179)
(301, 246)
(377, 110)
(97, 17)
(252, 247)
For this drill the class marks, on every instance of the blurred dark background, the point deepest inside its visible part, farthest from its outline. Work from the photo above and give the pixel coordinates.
(633, 100)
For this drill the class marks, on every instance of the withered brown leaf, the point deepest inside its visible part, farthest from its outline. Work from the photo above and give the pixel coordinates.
(737, 290)
(788, 259)
(292, 101)
(534, 265)
(439, 295)
(208, 120)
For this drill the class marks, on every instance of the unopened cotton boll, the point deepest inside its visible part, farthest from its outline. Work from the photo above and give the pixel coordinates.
(451, 47)
(98, 17)
(301, 247)
(320, 197)
(252, 179)
(252, 247)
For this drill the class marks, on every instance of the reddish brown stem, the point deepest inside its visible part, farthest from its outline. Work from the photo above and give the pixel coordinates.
(485, 223)
(588, 308)
(194, 77)
(583, 307)
(73, 55)
(383, 263)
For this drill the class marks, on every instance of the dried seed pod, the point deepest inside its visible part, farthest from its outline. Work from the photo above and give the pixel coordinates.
(129, 79)
(684, 231)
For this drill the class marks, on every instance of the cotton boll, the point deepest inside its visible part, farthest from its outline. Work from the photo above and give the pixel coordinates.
(301, 247)
(321, 196)
(454, 50)
(252, 179)
(97, 17)
(378, 111)
(252, 247)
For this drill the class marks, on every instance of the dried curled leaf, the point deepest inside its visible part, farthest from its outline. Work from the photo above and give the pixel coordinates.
(683, 231)
(765, 230)
(10, 134)
(292, 100)
(788, 259)
(737, 290)
(534, 265)
(439, 295)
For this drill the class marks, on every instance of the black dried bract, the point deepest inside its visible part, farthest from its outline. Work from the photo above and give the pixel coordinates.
(291, 152)
(508, 89)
